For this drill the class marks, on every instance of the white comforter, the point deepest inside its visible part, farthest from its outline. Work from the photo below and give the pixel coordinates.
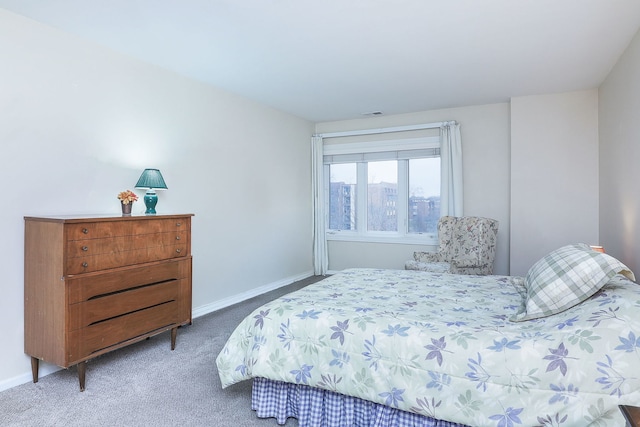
(442, 345)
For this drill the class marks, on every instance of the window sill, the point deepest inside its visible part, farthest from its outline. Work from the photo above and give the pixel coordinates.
(419, 239)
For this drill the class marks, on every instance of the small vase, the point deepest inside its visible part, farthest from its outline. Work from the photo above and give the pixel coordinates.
(126, 209)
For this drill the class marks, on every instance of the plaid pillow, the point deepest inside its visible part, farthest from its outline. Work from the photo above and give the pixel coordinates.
(565, 278)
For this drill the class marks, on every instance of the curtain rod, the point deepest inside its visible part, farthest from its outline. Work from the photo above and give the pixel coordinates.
(382, 130)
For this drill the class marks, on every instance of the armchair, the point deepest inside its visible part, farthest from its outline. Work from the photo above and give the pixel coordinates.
(466, 245)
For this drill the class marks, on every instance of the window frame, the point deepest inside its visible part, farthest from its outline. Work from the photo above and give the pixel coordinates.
(362, 153)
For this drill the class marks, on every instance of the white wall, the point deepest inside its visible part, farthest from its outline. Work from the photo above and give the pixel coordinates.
(619, 114)
(485, 147)
(554, 174)
(78, 124)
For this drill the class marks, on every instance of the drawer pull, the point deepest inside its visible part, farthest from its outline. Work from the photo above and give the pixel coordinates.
(85, 264)
(85, 248)
(85, 231)
(177, 237)
(178, 224)
(178, 250)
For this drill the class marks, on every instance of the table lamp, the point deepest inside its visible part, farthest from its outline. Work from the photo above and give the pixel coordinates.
(151, 179)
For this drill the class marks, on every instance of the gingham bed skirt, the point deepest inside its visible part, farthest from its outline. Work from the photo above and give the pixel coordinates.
(315, 407)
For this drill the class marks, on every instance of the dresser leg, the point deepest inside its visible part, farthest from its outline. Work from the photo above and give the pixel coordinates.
(174, 334)
(35, 364)
(82, 370)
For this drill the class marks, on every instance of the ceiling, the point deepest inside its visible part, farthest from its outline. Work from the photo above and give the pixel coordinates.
(327, 60)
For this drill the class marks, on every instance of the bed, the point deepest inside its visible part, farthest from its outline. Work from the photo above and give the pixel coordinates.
(559, 347)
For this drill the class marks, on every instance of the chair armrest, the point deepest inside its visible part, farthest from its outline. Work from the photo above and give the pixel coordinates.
(466, 262)
(470, 265)
(480, 271)
(427, 257)
(433, 267)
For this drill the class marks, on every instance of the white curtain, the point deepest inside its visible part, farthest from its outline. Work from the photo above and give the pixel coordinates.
(451, 194)
(320, 256)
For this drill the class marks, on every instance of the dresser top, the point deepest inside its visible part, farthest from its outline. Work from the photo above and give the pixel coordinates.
(102, 217)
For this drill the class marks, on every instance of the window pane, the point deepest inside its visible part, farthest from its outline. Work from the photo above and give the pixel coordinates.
(342, 196)
(424, 195)
(382, 196)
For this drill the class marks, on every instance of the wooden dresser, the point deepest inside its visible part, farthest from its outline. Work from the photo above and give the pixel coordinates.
(93, 284)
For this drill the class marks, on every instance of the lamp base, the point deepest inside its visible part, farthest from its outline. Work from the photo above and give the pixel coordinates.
(150, 201)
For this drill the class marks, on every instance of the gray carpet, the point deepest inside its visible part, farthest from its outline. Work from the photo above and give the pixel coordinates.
(147, 384)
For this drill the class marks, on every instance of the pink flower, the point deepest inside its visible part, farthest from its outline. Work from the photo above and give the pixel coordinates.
(127, 197)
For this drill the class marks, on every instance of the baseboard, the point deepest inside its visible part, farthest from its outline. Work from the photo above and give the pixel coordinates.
(218, 305)
(46, 368)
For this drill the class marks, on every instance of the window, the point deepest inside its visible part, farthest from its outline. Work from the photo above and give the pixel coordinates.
(382, 194)
(384, 191)
(342, 196)
(424, 195)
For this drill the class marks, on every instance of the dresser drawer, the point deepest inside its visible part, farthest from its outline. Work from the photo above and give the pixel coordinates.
(105, 307)
(99, 337)
(89, 263)
(80, 248)
(98, 230)
(95, 285)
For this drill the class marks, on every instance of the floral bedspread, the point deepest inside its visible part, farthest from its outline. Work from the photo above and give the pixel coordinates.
(442, 345)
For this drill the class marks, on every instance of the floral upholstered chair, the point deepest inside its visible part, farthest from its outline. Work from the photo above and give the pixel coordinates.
(466, 245)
